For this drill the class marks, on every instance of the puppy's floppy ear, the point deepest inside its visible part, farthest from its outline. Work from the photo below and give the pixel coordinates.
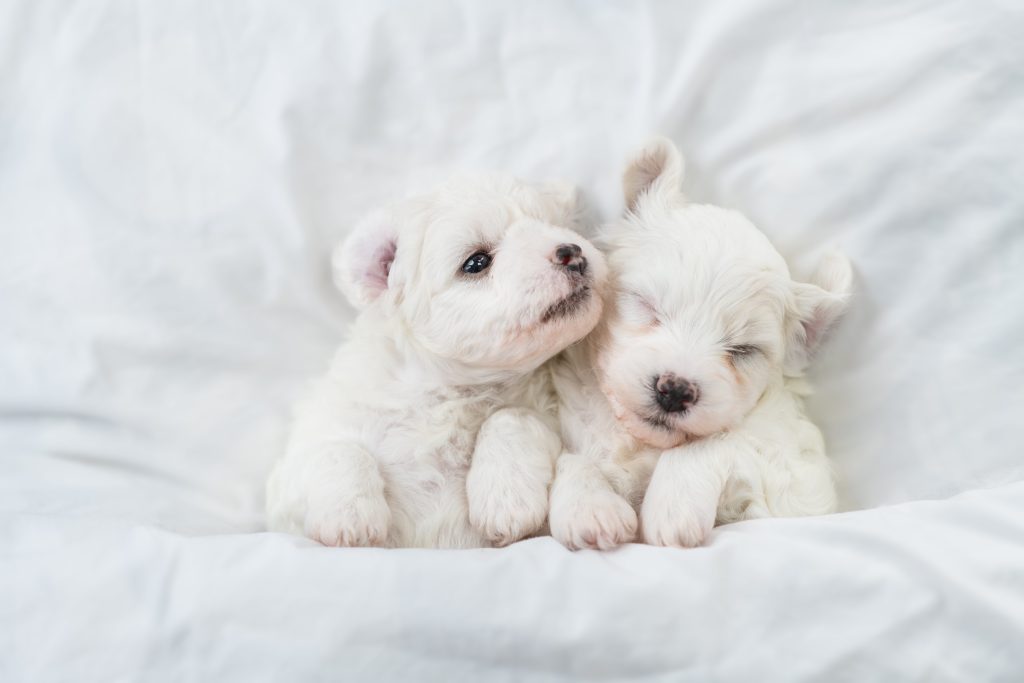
(564, 203)
(655, 170)
(815, 307)
(362, 263)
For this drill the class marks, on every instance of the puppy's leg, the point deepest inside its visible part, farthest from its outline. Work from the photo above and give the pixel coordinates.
(793, 484)
(586, 512)
(508, 480)
(344, 497)
(681, 502)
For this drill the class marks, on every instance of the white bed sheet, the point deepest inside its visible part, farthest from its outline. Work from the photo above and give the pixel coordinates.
(173, 175)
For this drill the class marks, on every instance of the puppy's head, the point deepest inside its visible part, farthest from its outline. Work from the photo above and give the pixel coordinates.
(484, 272)
(705, 313)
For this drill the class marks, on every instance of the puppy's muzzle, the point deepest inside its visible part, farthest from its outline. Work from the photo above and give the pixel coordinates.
(571, 258)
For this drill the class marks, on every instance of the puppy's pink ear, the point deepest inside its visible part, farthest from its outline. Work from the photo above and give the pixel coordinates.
(816, 306)
(654, 171)
(362, 263)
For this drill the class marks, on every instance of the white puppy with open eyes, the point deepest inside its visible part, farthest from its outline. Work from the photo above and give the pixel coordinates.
(434, 427)
(686, 403)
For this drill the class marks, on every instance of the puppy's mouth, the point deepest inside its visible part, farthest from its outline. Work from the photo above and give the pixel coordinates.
(567, 306)
(659, 421)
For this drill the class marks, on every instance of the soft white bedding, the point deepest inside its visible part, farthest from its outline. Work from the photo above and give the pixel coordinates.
(173, 175)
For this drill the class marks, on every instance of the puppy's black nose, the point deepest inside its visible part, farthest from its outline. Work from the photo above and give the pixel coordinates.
(571, 257)
(675, 395)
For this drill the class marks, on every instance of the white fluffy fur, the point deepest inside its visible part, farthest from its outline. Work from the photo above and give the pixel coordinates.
(441, 370)
(700, 294)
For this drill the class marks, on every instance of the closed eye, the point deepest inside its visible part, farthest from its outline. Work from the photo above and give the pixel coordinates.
(743, 350)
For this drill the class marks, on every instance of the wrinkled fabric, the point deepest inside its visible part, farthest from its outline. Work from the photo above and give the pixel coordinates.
(173, 177)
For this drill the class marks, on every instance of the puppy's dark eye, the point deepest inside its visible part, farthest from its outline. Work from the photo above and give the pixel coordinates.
(477, 263)
(743, 350)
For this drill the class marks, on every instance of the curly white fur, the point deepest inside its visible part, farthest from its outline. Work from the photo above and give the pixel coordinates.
(441, 371)
(700, 297)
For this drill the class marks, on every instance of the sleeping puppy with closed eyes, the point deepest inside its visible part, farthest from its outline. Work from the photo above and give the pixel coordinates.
(434, 426)
(686, 403)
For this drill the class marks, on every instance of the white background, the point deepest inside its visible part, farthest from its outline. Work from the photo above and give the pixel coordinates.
(173, 176)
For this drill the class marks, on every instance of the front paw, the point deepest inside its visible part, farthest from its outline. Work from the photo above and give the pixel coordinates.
(667, 520)
(505, 516)
(359, 520)
(597, 519)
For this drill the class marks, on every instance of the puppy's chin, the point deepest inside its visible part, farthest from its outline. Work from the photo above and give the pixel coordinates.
(570, 317)
(540, 336)
(657, 437)
(575, 304)
(660, 435)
